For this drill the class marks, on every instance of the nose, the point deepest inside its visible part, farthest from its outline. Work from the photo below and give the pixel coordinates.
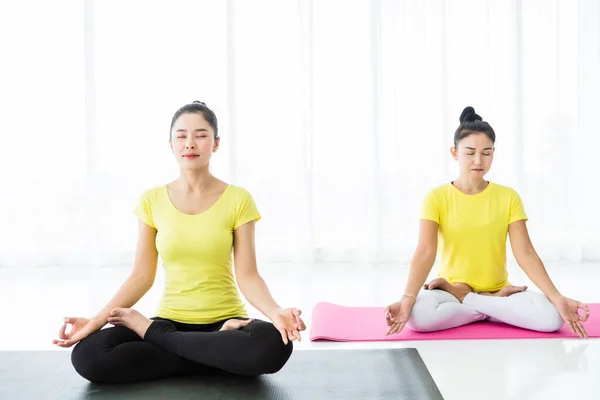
(478, 159)
(190, 143)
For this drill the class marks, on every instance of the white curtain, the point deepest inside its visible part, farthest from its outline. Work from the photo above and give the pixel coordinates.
(336, 115)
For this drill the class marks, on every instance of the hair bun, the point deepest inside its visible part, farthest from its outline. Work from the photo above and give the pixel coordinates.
(199, 102)
(469, 115)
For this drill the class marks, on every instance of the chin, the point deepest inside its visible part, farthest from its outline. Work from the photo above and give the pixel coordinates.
(192, 166)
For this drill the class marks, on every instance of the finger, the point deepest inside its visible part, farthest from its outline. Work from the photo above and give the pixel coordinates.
(586, 310)
(392, 329)
(571, 327)
(297, 312)
(64, 343)
(296, 335)
(397, 328)
(283, 335)
(61, 331)
(577, 330)
(583, 317)
(581, 329)
(302, 325)
(388, 319)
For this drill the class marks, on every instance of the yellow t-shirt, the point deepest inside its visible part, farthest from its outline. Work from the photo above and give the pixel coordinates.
(472, 233)
(196, 253)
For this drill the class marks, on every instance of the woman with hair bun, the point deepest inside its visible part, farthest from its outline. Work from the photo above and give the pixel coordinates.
(472, 217)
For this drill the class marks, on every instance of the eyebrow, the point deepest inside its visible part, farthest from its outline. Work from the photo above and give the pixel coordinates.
(473, 148)
(197, 130)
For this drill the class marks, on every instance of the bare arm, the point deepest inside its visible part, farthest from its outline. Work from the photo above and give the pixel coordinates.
(137, 284)
(141, 278)
(251, 284)
(397, 314)
(424, 257)
(528, 259)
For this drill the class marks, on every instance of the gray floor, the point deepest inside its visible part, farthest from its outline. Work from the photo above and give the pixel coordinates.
(34, 301)
(383, 374)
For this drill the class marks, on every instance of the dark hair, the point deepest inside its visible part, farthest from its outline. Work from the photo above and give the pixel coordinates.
(471, 123)
(200, 108)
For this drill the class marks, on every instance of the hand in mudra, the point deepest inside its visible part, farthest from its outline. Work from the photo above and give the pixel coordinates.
(397, 314)
(569, 312)
(289, 324)
(80, 328)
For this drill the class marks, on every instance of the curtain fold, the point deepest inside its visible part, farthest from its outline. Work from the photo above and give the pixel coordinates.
(336, 115)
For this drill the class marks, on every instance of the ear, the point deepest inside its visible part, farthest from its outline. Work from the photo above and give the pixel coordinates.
(216, 145)
(454, 152)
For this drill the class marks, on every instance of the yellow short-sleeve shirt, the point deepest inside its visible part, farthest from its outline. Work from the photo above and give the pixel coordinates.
(472, 233)
(196, 253)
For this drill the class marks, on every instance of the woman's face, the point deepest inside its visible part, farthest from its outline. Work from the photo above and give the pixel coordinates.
(193, 141)
(474, 154)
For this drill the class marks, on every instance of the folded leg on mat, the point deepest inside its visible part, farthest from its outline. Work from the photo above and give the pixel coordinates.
(436, 310)
(528, 309)
(119, 355)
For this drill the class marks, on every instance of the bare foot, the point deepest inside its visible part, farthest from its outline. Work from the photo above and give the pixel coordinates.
(508, 290)
(458, 290)
(235, 324)
(131, 319)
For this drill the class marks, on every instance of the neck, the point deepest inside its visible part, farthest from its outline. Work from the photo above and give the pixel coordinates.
(195, 180)
(470, 185)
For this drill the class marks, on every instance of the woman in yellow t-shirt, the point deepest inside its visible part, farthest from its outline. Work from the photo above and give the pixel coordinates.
(198, 225)
(471, 218)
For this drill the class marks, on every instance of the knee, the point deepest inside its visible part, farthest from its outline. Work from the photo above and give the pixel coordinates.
(271, 352)
(86, 360)
(549, 320)
(420, 319)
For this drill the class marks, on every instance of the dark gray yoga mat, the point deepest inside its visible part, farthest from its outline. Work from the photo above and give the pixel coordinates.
(309, 374)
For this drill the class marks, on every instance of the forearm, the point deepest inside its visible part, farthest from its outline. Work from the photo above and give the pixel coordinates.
(128, 294)
(534, 268)
(257, 293)
(420, 267)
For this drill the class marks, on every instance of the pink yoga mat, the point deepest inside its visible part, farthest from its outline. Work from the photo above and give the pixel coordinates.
(364, 324)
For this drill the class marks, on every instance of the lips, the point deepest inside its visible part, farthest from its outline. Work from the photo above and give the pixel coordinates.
(190, 156)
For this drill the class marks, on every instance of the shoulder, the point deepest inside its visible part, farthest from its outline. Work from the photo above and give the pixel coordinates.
(439, 193)
(238, 191)
(238, 194)
(504, 191)
(152, 193)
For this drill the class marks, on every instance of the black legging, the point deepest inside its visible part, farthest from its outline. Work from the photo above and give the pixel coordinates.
(169, 348)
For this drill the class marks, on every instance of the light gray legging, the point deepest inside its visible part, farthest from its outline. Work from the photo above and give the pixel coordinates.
(436, 310)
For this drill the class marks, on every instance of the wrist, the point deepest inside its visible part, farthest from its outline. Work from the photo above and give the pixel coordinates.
(98, 322)
(554, 296)
(409, 297)
(273, 312)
